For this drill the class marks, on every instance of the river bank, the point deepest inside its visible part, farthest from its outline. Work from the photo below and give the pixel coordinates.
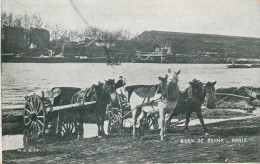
(229, 141)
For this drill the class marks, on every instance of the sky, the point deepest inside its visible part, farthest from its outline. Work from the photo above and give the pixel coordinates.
(222, 17)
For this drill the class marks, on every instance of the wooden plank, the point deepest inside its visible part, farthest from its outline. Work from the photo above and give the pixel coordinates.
(72, 106)
(226, 94)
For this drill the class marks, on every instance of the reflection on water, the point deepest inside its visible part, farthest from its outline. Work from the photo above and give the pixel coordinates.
(11, 142)
(90, 130)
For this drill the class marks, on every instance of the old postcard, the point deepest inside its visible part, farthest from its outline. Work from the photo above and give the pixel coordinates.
(128, 81)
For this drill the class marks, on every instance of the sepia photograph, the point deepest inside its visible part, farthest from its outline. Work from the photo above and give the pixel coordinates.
(130, 81)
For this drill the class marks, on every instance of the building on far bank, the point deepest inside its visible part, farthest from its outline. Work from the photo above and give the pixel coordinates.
(200, 44)
(19, 40)
(13, 39)
(39, 37)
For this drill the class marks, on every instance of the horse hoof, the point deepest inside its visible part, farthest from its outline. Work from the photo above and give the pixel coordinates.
(99, 136)
(206, 134)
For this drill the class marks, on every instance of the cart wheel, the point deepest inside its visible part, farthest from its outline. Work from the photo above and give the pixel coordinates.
(149, 121)
(34, 117)
(115, 123)
(69, 130)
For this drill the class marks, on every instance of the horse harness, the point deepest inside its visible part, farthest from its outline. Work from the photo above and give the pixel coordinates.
(151, 93)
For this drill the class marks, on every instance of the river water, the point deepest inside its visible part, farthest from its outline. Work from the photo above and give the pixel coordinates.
(20, 79)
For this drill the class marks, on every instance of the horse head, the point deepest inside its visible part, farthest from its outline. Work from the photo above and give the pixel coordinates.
(169, 85)
(196, 91)
(173, 76)
(109, 86)
(209, 88)
(162, 85)
(209, 92)
(98, 89)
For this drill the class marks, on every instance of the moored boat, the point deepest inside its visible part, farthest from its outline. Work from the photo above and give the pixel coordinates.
(238, 66)
(255, 66)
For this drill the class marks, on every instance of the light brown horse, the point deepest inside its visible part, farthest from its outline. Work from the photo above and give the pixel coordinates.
(162, 98)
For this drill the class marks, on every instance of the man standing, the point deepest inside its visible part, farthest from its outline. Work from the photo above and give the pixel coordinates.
(120, 83)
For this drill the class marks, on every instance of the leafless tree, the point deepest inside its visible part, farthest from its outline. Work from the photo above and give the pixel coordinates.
(126, 34)
(37, 21)
(17, 21)
(4, 19)
(108, 38)
(73, 36)
(26, 21)
(80, 36)
(10, 19)
(55, 32)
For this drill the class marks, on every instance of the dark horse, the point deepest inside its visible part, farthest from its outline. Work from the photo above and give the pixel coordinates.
(101, 93)
(191, 100)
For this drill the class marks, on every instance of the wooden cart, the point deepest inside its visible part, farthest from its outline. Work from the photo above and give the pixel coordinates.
(59, 118)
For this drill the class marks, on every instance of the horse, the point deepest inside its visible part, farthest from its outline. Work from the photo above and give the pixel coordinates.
(191, 100)
(86, 95)
(145, 100)
(101, 94)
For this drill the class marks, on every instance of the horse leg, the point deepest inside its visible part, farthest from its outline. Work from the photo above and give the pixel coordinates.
(142, 127)
(155, 121)
(199, 114)
(98, 127)
(162, 119)
(99, 124)
(187, 121)
(168, 121)
(102, 125)
(142, 123)
(134, 116)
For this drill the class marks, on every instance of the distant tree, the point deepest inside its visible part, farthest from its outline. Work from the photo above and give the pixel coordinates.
(26, 21)
(80, 36)
(10, 19)
(108, 38)
(18, 21)
(55, 32)
(94, 33)
(127, 34)
(37, 21)
(73, 36)
(4, 19)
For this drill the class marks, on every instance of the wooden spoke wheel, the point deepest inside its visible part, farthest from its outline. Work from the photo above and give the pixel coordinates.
(115, 123)
(69, 130)
(149, 121)
(34, 117)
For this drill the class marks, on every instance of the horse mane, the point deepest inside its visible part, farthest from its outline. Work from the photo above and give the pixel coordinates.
(195, 84)
(110, 82)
